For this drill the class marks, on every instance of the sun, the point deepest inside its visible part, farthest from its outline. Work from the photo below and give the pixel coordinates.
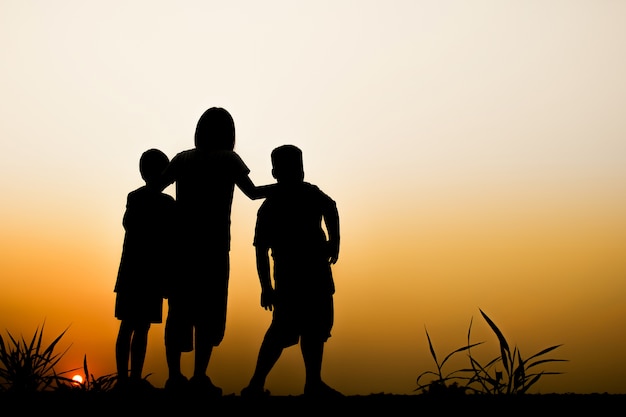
(77, 379)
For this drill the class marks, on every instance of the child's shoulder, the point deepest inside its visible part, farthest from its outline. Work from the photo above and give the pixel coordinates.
(184, 154)
(137, 191)
(315, 192)
(282, 190)
(148, 192)
(313, 189)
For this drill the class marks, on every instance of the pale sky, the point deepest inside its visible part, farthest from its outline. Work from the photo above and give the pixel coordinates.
(476, 151)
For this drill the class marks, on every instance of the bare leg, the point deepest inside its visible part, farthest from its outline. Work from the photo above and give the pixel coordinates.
(200, 381)
(202, 358)
(172, 356)
(312, 353)
(269, 353)
(138, 347)
(122, 350)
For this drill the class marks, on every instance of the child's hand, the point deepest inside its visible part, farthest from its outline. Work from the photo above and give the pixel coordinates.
(267, 299)
(333, 251)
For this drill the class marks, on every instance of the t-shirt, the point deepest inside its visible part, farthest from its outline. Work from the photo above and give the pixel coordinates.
(289, 222)
(205, 181)
(148, 240)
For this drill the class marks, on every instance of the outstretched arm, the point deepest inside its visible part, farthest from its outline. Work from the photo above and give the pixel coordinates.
(251, 191)
(263, 269)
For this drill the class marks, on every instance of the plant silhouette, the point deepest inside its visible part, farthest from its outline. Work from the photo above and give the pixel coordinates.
(517, 377)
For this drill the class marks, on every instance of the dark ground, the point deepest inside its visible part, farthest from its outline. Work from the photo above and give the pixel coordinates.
(161, 403)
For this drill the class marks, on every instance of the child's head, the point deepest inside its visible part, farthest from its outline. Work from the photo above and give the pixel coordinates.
(151, 164)
(287, 164)
(215, 130)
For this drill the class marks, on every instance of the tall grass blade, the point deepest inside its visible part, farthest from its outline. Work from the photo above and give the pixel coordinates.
(531, 365)
(461, 349)
(432, 350)
(543, 352)
(504, 346)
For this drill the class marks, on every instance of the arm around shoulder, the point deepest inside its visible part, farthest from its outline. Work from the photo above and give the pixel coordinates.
(252, 191)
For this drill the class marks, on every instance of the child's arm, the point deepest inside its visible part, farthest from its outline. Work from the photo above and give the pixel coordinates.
(263, 269)
(253, 192)
(167, 177)
(133, 217)
(331, 220)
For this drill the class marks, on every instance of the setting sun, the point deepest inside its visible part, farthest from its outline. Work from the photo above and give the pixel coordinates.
(77, 379)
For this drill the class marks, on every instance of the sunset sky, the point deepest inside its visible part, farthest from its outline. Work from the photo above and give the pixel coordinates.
(476, 151)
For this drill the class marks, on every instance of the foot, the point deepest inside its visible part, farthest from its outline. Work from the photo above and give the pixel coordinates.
(121, 385)
(254, 392)
(321, 390)
(204, 385)
(140, 385)
(176, 383)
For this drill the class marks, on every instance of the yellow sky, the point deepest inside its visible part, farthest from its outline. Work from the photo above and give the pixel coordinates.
(476, 151)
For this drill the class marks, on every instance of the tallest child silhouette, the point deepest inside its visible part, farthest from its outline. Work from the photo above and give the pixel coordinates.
(205, 178)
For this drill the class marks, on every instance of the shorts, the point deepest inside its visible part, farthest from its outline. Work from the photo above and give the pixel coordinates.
(293, 318)
(139, 307)
(199, 306)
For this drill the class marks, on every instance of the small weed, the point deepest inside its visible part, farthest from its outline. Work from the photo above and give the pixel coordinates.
(519, 374)
(445, 383)
(90, 383)
(29, 366)
(517, 377)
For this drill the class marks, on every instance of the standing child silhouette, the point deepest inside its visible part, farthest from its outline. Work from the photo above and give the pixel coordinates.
(148, 223)
(289, 224)
(205, 178)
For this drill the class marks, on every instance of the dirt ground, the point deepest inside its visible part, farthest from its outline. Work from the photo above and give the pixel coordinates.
(160, 403)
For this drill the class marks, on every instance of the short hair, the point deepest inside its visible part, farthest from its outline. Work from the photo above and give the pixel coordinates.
(287, 162)
(152, 163)
(215, 130)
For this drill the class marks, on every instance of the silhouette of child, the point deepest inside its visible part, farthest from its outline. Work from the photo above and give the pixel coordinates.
(289, 224)
(205, 178)
(140, 284)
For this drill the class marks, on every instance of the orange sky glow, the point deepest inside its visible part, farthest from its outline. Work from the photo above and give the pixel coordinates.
(476, 151)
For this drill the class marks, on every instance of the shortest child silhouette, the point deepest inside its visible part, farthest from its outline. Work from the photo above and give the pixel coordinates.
(289, 224)
(141, 280)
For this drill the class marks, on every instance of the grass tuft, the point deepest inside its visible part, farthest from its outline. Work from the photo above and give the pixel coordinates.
(517, 376)
(29, 366)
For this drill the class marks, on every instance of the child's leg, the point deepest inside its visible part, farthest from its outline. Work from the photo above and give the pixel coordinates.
(312, 353)
(176, 381)
(122, 349)
(203, 351)
(178, 338)
(200, 381)
(172, 357)
(138, 347)
(269, 353)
